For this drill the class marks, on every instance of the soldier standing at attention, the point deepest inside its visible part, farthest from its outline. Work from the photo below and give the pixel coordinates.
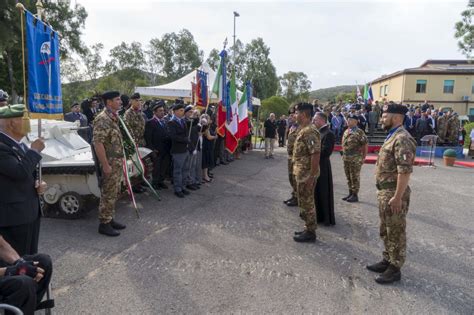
(442, 126)
(135, 121)
(393, 169)
(107, 140)
(354, 148)
(306, 152)
(293, 132)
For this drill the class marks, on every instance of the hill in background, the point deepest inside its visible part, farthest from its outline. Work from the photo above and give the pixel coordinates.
(329, 94)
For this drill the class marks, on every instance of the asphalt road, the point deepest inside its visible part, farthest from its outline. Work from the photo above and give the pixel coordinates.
(228, 248)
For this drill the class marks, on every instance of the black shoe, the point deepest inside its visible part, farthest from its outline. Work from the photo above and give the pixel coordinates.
(191, 187)
(107, 229)
(353, 198)
(117, 226)
(306, 236)
(163, 185)
(288, 200)
(179, 194)
(390, 275)
(348, 196)
(379, 267)
(299, 232)
(138, 189)
(292, 203)
(185, 192)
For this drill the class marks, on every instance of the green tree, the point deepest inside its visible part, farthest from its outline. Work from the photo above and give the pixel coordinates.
(346, 97)
(93, 63)
(259, 69)
(295, 86)
(213, 59)
(175, 54)
(67, 19)
(125, 56)
(275, 104)
(465, 31)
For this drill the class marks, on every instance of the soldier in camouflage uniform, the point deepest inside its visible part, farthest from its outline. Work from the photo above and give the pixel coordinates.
(293, 132)
(135, 120)
(354, 149)
(452, 133)
(306, 154)
(442, 127)
(393, 169)
(107, 140)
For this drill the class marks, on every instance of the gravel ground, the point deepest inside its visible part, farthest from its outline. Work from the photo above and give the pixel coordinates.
(228, 248)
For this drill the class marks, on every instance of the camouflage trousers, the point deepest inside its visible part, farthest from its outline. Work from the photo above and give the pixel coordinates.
(109, 191)
(291, 178)
(393, 227)
(352, 166)
(306, 203)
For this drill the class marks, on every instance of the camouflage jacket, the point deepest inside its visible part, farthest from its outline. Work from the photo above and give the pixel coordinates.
(106, 131)
(293, 132)
(396, 156)
(352, 142)
(136, 125)
(307, 143)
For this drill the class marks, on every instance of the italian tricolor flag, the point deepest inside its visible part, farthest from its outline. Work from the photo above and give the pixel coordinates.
(232, 123)
(244, 115)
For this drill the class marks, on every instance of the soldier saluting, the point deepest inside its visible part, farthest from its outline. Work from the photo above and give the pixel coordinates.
(393, 169)
(107, 139)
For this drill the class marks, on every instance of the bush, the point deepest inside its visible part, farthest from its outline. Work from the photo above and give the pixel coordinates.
(449, 153)
(467, 140)
(274, 104)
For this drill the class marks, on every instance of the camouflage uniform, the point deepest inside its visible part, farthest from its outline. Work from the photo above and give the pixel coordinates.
(307, 143)
(442, 123)
(395, 157)
(452, 133)
(353, 141)
(106, 131)
(290, 145)
(136, 125)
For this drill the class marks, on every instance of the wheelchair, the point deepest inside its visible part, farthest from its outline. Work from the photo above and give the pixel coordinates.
(46, 305)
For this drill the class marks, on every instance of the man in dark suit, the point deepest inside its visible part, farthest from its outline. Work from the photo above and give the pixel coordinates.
(76, 115)
(323, 192)
(158, 140)
(19, 186)
(179, 149)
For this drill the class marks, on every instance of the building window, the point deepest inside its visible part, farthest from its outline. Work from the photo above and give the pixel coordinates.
(472, 89)
(448, 86)
(381, 90)
(385, 90)
(420, 86)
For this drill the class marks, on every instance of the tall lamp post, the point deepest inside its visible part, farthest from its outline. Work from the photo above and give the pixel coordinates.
(236, 15)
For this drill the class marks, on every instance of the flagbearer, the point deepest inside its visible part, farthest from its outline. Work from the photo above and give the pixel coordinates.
(136, 125)
(393, 169)
(107, 140)
(306, 152)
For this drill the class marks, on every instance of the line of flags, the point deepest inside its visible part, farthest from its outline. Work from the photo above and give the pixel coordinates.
(368, 95)
(232, 113)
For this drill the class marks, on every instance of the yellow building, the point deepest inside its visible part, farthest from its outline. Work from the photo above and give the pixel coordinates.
(443, 83)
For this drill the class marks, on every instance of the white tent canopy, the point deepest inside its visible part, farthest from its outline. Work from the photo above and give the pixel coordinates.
(181, 88)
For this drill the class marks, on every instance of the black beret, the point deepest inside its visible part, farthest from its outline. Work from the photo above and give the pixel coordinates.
(395, 109)
(179, 101)
(157, 104)
(353, 116)
(135, 96)
(110, 95)
(178, 106)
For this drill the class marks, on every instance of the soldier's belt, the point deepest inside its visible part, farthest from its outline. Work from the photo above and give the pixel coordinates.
(386, 185)
(351, 153)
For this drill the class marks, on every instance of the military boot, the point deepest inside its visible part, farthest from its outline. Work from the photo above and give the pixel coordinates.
(306, 236)
(348, 196)
(116, 225)
(353, 198)
(379, 267)
(293, 202)
(390, 275)
(107, 229)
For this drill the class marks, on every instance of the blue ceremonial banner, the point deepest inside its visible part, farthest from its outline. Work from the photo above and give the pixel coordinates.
(44, 81)
(249, 96)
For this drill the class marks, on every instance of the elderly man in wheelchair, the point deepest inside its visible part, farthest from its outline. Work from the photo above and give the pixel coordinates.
(23, 280)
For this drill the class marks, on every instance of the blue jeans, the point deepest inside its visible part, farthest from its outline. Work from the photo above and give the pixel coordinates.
(180, 170)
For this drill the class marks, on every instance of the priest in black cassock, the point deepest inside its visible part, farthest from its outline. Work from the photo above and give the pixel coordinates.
(323, 192)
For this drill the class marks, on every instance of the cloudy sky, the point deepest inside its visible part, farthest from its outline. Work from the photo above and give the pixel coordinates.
(333, 42)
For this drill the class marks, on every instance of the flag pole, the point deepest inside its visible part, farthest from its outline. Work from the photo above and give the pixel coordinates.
(26, 126)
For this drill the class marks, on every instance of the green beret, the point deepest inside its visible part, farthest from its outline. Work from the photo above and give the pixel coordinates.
(12, 111)
(109, 95)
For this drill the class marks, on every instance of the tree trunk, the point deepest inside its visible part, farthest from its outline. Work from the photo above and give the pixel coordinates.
(13, 92)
